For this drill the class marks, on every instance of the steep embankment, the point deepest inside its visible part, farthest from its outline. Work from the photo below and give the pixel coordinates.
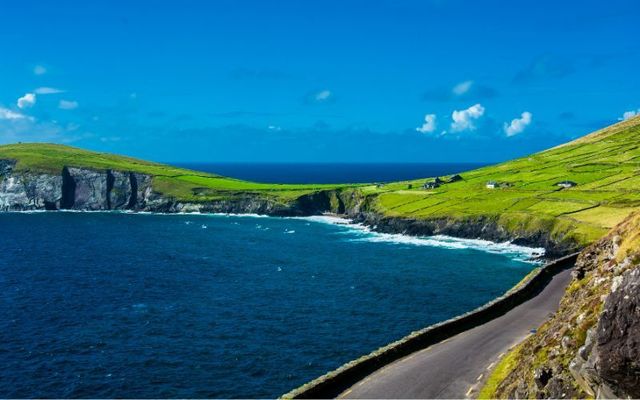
(526, 206)
(591, 346)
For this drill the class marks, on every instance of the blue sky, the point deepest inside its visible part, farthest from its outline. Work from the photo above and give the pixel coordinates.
(321, 81)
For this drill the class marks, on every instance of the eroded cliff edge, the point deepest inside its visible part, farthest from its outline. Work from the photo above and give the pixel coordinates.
(591, 346)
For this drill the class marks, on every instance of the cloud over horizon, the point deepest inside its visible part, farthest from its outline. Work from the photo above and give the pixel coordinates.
(429, 124)
(67, 105)
(7, 114)
(47, 90)
(463, 120)
(629, 114)
(26, 101)
(518, 125)
(467, 90)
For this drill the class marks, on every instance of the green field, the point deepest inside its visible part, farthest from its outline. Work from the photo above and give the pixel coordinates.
(605, 165)
(183, 184)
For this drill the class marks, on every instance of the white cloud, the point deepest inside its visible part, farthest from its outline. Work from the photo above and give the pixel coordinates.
(67, 105)
(629, 114)
(39, 70)
(429, 124)
(26, 101)
(274, 128)
(5, 113)
(47, 90)
(462, 88)
(518, 125)
(463, 119)
(323, 95)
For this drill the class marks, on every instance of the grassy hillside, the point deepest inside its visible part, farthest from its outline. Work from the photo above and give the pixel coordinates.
(604, 164)
(180, 183)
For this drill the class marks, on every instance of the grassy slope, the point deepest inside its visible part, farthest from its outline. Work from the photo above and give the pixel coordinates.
(556, 342)
(605, 164)
(180, 183)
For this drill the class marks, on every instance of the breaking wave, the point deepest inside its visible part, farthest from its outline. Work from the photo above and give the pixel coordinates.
(362, 233)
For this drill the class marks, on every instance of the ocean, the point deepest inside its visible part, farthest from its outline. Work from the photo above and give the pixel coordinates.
(191, 306)
(330, 173)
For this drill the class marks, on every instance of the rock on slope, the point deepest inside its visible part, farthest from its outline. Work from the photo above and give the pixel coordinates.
(591, 346)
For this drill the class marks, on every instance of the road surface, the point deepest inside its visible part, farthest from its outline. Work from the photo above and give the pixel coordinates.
(453, 368)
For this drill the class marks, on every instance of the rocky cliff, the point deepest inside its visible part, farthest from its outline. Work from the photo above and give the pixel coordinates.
(75, 189)
(88, 189)
(591, 346)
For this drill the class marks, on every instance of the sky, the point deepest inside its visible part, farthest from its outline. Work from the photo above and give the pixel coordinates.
(316, 81)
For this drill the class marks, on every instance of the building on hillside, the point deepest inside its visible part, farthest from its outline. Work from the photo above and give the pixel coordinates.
(492, 185)
(431, 185)
(566, 184)
(455, 178)
(439, 181)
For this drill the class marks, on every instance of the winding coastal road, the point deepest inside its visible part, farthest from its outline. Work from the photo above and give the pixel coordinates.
(455, 367)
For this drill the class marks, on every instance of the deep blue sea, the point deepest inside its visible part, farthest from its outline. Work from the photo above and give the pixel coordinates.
(330, 173)
(135, 305)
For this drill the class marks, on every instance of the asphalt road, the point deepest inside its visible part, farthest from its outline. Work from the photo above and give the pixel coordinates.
(455, 367)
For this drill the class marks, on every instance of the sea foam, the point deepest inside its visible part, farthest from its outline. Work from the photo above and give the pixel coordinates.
(363, 233)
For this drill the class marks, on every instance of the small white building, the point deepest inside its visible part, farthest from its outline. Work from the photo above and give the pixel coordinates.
(567, 184)
(491, 185)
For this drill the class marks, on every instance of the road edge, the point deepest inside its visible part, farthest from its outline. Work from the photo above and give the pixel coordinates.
(335, 382)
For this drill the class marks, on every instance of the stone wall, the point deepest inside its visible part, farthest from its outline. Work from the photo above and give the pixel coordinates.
(333, 383)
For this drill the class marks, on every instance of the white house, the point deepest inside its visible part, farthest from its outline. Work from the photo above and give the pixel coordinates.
(566, 184)
(492, 185)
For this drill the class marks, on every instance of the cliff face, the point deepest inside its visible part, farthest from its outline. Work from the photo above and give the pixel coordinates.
(591, 346)
(74, 189)
(92, 190)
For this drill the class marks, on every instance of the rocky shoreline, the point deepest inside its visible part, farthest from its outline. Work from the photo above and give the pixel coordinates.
(103, 190)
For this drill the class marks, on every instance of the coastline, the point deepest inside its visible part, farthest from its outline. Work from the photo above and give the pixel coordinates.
(331, 384)
(534, 255)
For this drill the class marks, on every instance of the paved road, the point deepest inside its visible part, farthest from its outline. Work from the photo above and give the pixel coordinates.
(453, 368)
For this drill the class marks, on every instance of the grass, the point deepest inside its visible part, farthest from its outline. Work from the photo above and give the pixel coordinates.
(605, 164)
(180, 183)
(499, 373)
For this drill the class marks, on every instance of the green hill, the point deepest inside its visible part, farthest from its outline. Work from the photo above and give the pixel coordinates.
(182, 184)
(605, 165)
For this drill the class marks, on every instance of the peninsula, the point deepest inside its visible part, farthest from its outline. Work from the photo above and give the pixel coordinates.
(565, 199)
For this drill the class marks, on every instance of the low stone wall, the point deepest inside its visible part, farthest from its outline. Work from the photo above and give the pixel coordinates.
(335, 382)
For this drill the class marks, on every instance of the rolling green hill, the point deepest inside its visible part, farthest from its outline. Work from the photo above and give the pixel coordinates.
(182, 184)
(605, 165)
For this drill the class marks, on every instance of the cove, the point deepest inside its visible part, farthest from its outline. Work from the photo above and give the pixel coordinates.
(146, 305)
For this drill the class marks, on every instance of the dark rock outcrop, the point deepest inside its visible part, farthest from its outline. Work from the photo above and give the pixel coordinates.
(89, 189)
(591, 346)
(616, 351)
(119, 189)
